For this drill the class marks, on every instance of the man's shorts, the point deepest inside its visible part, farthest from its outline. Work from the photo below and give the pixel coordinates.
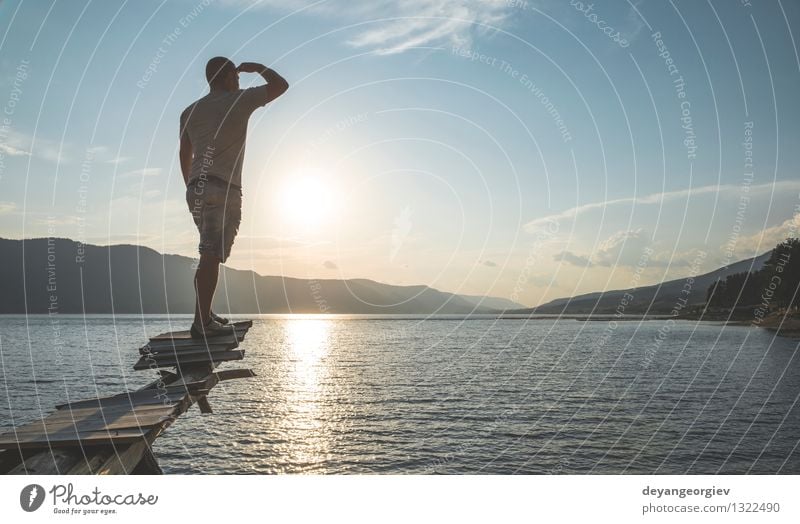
(216, 209)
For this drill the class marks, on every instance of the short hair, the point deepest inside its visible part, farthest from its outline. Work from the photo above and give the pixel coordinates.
(217, 67)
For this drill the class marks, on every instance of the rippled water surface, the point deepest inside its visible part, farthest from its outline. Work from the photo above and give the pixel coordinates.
(367, 395)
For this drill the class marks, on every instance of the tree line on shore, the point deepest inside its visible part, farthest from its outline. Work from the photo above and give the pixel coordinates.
(775, 285)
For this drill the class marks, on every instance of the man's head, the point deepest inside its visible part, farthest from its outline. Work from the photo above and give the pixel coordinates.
(221, 74)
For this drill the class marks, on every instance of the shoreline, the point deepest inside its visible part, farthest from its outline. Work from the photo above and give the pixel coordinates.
(780, 323)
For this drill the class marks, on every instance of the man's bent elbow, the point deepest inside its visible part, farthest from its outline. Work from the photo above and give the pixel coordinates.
(275, 89)
(283, 87)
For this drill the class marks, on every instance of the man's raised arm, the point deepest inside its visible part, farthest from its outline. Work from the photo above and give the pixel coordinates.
(276, 84)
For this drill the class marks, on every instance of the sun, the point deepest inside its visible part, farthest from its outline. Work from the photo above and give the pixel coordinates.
(308, 198)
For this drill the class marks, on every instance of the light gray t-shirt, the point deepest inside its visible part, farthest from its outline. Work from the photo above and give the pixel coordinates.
(217, 128)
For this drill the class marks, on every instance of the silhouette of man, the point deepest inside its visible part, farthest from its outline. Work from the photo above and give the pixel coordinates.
(213, 131)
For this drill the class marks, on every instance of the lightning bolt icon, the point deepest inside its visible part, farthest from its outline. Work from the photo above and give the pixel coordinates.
(32, 496)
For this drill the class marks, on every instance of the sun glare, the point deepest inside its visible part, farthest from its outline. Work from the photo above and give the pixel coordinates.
(308, 199)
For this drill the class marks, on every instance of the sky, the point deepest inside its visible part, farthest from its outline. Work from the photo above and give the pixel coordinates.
(522, 149)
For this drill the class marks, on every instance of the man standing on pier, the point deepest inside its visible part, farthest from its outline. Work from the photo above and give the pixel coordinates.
(213, 131)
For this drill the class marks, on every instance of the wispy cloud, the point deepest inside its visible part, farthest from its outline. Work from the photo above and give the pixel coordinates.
(654, 198)
(571, 258)
(401, 25)
(729, 222)
(625, 249)
(10, 150)
(770, 236)
(39, 147)
(18, 143)
(621, 248)
(143, 172)
(118, 160)
(428, 23)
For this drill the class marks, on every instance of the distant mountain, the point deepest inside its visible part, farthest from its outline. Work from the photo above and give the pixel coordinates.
(492, 302)
(655, 299)
(52, 274)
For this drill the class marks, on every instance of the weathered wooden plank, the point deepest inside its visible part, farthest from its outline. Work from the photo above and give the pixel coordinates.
(61, 432)
(53, 428)
(195, 372)
(124, 461)
(190, 385)
(169, 379)
(189, 342)
(181, 348)
(199, 358)
(187, 354)
(165, 378)
(83, 452)
(110, 419)
(223, 356)
(110, 412)
(240, 330)
(74, 438)
(230, 374)
(131, 398)
(92, 461)
(148, 465)
(118, 409)
(184, 337)
(51, 462)
(10, 459)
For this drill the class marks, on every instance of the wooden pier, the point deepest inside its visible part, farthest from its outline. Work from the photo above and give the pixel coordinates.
(115, 434)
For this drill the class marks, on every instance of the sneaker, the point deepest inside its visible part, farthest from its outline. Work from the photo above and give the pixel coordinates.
(222, 320)
(212, 329)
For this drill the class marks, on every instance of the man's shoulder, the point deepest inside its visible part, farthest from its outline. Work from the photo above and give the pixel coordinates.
(192, 107)
(186, 112)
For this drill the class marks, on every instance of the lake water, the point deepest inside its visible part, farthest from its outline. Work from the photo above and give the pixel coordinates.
(415, 395)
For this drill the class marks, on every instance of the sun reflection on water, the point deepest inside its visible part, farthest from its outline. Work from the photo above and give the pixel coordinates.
(307, 347)
(308, 344)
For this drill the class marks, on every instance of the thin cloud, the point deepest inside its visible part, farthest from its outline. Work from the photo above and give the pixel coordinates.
(572, 258)
(18, 143)
(10, 150)
(144, 172)
(623, 248)
(729, 223)
(770, 236)
(118, 160)
(657, 198)
(404, 24)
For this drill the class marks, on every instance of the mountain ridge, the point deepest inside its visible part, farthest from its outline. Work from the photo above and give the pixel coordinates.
(65, 276)
(653, 299)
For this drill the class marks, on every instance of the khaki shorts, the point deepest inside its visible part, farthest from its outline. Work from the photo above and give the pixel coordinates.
(216, 209)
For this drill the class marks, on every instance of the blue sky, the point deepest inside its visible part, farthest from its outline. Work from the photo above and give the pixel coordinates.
(510, 148)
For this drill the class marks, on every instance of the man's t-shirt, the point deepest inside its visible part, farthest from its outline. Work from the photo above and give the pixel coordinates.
(217, 128)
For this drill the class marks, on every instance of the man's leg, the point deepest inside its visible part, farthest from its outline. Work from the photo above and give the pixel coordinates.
(232, 217)
(205, 284)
